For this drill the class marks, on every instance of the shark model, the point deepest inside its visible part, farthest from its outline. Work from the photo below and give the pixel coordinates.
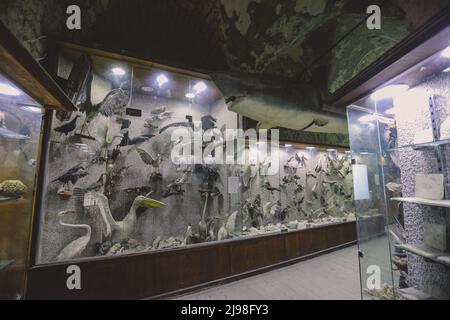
(277, 102)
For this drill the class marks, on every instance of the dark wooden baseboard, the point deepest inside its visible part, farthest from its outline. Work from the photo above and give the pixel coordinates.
(185, 291)
(162, 273)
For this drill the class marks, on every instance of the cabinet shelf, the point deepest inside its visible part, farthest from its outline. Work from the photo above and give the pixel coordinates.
(421, 146)
(422, 201)
(427, 253)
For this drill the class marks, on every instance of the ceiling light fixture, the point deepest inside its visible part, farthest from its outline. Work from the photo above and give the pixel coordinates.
(9, 90)
(162, 79)
(446, 52)
(118, 71)
(200, 87)
(190, 95)
(389, 92)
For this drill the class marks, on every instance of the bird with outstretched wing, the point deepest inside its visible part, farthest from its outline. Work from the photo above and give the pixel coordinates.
(153, 162)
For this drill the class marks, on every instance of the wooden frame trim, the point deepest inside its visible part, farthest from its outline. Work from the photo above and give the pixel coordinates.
(416, 47)
(17, 64)
(128, 58)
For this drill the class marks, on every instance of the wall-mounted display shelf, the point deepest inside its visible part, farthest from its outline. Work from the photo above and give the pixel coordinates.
(427, 253)
(422, 201)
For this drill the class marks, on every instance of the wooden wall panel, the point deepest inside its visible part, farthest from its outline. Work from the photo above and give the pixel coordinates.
(161, 272)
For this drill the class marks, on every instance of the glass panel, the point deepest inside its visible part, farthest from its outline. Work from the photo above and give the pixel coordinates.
(370, 200)
(20, 122)
(117, 181)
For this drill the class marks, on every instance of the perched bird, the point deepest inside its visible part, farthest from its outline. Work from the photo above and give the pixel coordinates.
(269, 187)
(127, 141)
(208, 122)
(121, 230)
(175, 187)
(68, 127)
(75, 248)
(72, 175)
(154, 162)
(115, 101)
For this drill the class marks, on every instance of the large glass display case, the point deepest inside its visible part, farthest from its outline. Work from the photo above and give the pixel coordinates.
(20, 123)
(112, 186)
(399, 139)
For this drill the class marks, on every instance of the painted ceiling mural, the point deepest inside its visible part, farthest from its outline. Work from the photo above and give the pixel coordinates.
(295, 38)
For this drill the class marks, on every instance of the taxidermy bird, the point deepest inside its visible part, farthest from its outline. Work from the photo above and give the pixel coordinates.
(208, 122)
(76, 247)
(72, 175)
(153, 162)
(116, 100)
(266, 185)
(68, 127)
(121, 230)
(127, 141)
(296, 161)
(279, 102)
(175, 187)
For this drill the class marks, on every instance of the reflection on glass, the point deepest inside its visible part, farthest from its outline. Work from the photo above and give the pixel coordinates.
(20, 120)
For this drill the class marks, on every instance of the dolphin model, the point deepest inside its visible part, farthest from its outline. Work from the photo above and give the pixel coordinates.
(278, 102)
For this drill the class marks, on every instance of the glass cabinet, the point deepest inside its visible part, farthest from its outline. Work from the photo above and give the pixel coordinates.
(399, 138)
(20, 123)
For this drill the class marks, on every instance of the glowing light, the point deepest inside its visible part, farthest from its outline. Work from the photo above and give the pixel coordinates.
(31, 109)
(8, 90)
(446, 70)
(200, 87)
(288, 145)
(368, 118)
(118, 71)
(331, 150)
(389, 92)
(310, 148)
(190, 95)
(390, 111)
(446, 52)
(161, 79)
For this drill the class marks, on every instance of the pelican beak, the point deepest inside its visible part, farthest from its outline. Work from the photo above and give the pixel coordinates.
(151, 203)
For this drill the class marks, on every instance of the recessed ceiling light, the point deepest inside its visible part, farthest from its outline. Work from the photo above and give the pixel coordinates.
(200, 87)
(446, 52)
(389, 92)
(9, 90)
(162, 79)
(118, 71)
(190, 95)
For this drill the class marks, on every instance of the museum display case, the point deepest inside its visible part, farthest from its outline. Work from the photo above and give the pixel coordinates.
(114, 193)
(112, 185)
(399, 139)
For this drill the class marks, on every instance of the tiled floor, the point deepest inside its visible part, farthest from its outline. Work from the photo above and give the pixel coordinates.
(331, 276)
